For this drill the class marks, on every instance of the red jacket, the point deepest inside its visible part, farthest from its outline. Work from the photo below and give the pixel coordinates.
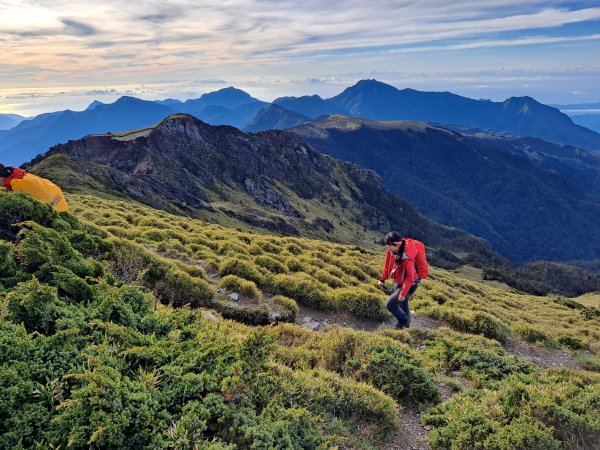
(404, 273)
(17, 174)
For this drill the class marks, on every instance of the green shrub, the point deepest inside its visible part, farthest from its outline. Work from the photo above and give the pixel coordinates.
(212, 263)
(393, 370)
(294, 249)
(155, 235)
(71, 285)
(294, 265)
(361, 303)
(570, 341)
(525, 433)
(335, 271)
(589, 362)
(243, 287)
(303, 289)
(338, 346)
(270, 264)
(269, 247)
(231, 248)
(243, 269)
(531, 333)
(351, 268)
(325, 277)
(324, 391)
(281, 428)
(151, 222)
(471, 322)
(255, 250)
(35, 305)
(18, 207)
(179, 288)
(480, 360)
(555, 409)
(288, 305)
(202, 252)
(8, 266)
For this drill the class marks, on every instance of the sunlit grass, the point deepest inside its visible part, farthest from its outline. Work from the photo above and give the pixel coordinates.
(319, 274)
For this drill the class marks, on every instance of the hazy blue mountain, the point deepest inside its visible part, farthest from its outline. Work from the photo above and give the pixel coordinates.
(8, 121)
(228, 106)
(230, 98)
(531, 199)
(94, 105)
(34, 136)
(271, 180)
(380, 101)
(170, 102)
(591, 121)
(239, 117)
(309, 105)
(275, 117)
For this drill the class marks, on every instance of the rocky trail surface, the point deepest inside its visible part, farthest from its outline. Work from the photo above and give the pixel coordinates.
(412, 434)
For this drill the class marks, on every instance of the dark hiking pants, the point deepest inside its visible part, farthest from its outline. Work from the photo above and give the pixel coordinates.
(399, 307)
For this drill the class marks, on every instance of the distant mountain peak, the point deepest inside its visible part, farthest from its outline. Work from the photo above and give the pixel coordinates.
(94, 105)
(127, 99)
(291, 97)
(370, 82)
(229, 93)
(370, 85)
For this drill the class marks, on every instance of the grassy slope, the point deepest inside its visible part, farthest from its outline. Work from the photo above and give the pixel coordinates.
(476, 274)
(465, 305)
(591, 299)
(224, 198)
(346, 276)
(338, 373)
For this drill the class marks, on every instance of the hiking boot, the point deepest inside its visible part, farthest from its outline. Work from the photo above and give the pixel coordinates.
(400, 326)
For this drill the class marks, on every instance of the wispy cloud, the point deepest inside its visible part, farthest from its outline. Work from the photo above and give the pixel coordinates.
(117, 42)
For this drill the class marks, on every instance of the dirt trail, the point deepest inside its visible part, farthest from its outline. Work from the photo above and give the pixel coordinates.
(412, 435)
(543, 357)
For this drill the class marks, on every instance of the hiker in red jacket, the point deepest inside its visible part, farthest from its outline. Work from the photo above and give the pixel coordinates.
(406, 264)
(14, 179)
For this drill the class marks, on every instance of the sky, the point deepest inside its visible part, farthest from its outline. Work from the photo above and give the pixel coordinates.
(59, 54)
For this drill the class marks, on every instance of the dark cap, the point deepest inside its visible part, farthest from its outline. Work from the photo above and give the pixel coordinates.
(392, 236)
(5, 171)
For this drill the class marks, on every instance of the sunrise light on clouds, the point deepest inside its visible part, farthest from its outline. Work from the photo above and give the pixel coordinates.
(66, 53)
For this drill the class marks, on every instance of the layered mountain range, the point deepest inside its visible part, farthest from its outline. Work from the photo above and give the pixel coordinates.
(271, 180)
(379, 101)
(530, 198)
(8, 121)
(230, 106)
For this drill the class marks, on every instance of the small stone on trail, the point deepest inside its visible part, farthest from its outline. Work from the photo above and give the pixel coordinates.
(234, 296)
(306, 319)
(210, 316)
(427, 427)
(312, 325)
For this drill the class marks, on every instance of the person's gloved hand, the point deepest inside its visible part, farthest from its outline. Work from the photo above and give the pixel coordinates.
(381, 284)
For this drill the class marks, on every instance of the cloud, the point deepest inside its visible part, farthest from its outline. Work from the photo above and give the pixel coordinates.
(75, 28)
(200, 82)
(159, 13)
(117, 42)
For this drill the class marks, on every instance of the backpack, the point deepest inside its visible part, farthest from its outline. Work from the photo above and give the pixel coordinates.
(420, 259)
(39, 188)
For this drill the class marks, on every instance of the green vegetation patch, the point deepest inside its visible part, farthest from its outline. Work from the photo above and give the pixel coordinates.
(87, 361)
(553, 410)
